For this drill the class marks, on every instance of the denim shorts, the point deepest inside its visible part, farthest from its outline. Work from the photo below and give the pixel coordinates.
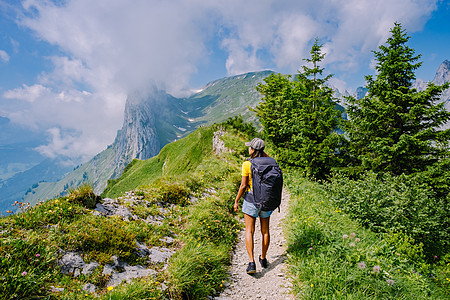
(253, 211)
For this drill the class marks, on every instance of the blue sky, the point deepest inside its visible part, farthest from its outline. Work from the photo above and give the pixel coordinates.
(67, 66)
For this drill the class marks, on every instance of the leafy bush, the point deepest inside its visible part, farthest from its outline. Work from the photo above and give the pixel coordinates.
(395, 203)
(241, 126)
(84, 195)
(332, 256)
(99, 238)
(167, 191)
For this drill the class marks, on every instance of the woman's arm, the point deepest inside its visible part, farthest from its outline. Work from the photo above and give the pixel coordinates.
(242, 188)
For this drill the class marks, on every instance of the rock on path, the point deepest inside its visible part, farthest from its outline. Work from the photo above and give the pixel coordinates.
(269, 283)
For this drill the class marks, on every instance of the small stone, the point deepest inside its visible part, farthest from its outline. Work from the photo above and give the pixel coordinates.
(76, 273)
(89, 268)
(158, 255)
(167, 239)
(142, 249)
(89, 287)
(193, 199)
(56, 289)
(108, 270)
(70, 262)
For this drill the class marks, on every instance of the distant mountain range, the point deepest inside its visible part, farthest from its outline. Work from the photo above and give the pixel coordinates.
(152, 119)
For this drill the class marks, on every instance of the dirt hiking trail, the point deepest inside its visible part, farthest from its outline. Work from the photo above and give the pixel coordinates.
(269, 283)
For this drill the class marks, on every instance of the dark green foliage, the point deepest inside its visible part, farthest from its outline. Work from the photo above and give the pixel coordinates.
(241, 126)
(300, 119)
(331, 256)
(396, 203)
(99, 238)
(84, 195)
(169, 192)
(395, 128)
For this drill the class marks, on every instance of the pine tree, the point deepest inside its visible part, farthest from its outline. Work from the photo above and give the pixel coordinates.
(395, 128)
(299, 117)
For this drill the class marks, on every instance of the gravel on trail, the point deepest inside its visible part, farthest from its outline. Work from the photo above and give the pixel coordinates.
(269, 283)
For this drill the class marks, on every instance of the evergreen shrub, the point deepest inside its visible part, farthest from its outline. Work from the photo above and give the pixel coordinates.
(84, 195)
(395, 203)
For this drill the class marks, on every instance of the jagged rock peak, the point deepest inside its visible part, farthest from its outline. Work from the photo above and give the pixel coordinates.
(138, 137)
(443, 73)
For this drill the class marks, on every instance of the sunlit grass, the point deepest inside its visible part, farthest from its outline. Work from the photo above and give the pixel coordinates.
(333, 257)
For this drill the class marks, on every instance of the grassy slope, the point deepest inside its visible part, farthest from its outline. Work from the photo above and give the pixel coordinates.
(205, 231)
(176, 158)
(327, 261)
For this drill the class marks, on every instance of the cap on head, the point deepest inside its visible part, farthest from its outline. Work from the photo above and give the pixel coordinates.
(256, 143)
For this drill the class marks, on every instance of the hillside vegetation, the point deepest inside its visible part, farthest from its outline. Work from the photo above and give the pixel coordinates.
(184, 194)
(177, 158)
(370, 219)
(369, 213)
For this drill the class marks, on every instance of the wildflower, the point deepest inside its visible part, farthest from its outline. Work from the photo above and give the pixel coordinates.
(312, 285)
(352, 244)
(357, 240)
(352, 235)
(361, 265)
(310, 248)
(390, 282)
(38, 255)
(435, 256)
(345, 236)
(110, 288)
(24, 273)
(376, 269)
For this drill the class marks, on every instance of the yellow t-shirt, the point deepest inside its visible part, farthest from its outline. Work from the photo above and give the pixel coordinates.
(247, 172)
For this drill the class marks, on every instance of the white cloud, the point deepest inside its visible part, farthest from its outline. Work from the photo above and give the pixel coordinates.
(27, 93)
(4, 56)
(79, 123)
(349, 29)
(112, 47)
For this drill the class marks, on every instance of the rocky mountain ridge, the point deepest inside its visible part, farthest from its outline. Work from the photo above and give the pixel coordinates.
(154, 118)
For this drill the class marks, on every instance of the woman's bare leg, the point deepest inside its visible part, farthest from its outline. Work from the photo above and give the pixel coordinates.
(249, 232)
(265, 236)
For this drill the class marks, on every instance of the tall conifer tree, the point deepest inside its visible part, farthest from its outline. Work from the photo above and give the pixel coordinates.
(396, 128)
(299, 117)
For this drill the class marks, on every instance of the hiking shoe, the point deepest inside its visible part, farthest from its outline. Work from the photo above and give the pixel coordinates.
(263, 262)
(251, 269)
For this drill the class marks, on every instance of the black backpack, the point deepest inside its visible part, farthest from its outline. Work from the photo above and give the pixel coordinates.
(267, 182)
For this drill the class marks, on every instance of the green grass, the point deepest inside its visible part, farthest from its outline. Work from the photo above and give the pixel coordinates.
(175, 159)
(33, 240)
(332, 256)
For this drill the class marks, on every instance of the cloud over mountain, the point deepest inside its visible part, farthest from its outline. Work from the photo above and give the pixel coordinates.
(109, 48)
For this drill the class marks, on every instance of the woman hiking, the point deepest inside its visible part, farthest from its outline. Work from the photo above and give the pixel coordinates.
(251, 208)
